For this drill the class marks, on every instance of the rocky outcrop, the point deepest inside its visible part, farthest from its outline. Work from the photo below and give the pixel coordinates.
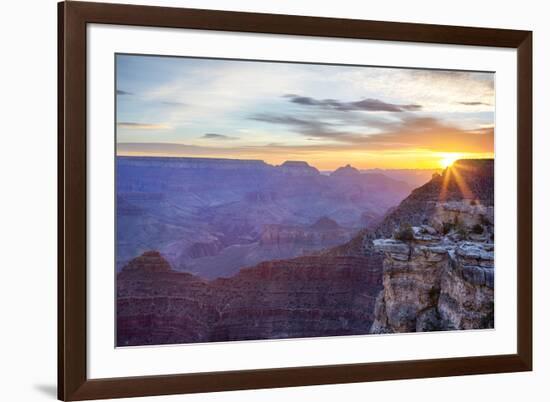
(435, 282)
(148, 262)
(298, 168)
(438, 254)
(346, 171)
(301, 297)
(464, 188)
(467, 288)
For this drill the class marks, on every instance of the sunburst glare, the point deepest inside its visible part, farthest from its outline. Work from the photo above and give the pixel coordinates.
(448, 159)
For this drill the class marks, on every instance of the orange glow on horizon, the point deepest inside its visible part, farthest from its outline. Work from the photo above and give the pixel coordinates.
(449, 158)
(414, 159)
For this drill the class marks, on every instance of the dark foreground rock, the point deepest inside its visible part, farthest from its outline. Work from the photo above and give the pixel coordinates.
(301, 297)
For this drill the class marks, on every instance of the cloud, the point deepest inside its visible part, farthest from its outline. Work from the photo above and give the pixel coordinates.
(121, 92)
(474, 103)
(425, 136)
(311, 128)
(367, 105)
(337, 129)
(142, 126)
(173, 103)
(435, 90)
(284, 119)
(214, 136)
(410, 131)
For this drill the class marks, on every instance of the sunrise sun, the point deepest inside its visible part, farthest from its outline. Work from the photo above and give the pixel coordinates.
(448, 159)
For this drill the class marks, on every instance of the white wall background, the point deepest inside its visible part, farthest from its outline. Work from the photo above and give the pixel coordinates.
(28, 199)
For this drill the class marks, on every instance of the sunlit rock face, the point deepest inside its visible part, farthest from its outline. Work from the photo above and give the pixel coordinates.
(466, 300)
(412, 283)
(435, 284)
(439, 273)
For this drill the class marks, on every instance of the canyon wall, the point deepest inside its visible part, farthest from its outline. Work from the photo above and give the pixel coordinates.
(435, 285)
(211, 217)
(438, 269)
(296, 298)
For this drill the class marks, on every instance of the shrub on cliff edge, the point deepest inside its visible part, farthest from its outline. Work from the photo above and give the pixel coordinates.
(404, 233)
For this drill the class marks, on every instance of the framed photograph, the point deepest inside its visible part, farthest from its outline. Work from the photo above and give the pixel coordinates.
(253, 200)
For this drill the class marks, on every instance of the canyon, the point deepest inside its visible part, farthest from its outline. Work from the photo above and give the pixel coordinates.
(211, 217)
(427, 264)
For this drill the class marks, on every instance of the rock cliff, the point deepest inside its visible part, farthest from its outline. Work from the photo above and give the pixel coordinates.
(300, 297)
(439, 273)
(464, 186)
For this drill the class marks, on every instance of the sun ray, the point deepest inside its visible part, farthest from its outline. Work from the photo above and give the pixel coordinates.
(461, 183)
(444, 187)
(449, 158)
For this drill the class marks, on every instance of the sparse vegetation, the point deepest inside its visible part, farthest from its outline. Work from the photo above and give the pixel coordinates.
(447, 227)
(457, 227)
(484, 221)
(461, 231)
(434, 294)
(404, 233)
(477, 229)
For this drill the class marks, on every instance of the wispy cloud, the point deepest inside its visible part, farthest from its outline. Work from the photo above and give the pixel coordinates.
(214, 136)
(172, 103)
(435, 90)
(474, 103)
(142, 126)
(121, 92)
(367, 105)
(408, 132)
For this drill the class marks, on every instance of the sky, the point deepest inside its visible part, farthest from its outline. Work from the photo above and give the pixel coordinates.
(326, 115)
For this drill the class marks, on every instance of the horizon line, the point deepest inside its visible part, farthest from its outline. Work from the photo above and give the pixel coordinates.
(289, 160)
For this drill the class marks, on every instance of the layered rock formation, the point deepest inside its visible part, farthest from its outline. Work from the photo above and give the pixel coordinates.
(155, 305)
(301, 297)
(439, 275)
(298, 168)
(435, 285)
(203, 212)
(322, 234)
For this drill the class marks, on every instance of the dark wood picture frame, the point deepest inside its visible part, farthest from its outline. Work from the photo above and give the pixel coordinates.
(73, 383)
